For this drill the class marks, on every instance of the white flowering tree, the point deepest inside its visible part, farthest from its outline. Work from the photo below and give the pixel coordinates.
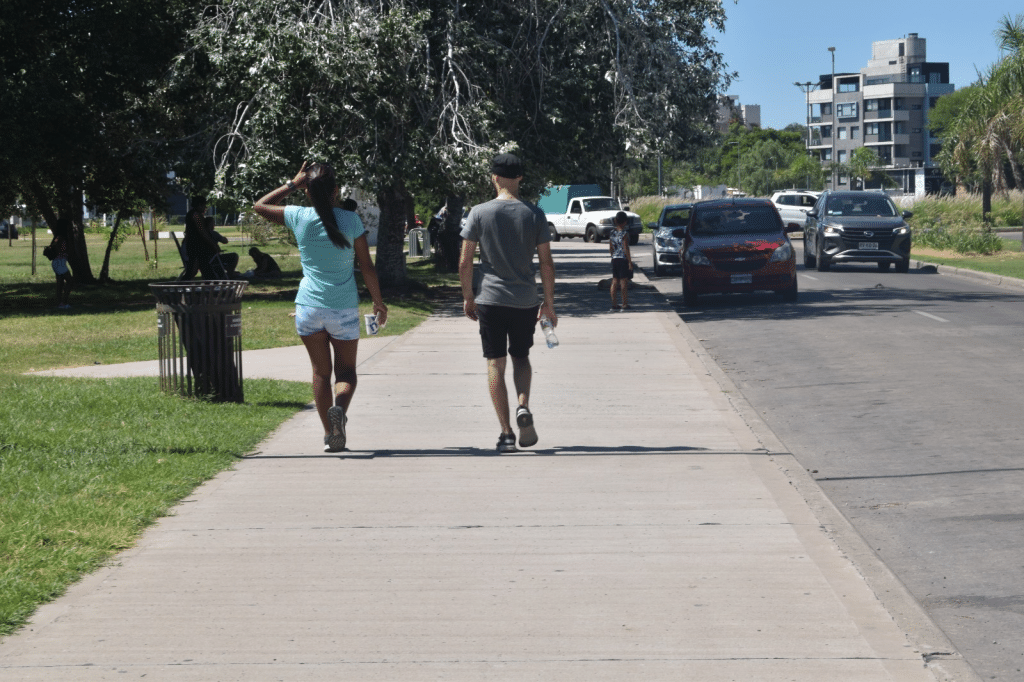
(414, 96)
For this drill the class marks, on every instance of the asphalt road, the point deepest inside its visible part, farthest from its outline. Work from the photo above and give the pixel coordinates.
(903, 395)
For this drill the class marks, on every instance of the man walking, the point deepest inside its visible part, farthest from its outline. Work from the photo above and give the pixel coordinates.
(509, 231)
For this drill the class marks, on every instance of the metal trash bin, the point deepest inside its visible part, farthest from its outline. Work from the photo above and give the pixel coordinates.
(415, 240)
(199, 330)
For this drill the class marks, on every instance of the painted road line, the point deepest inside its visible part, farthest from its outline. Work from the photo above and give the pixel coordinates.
(930, 316)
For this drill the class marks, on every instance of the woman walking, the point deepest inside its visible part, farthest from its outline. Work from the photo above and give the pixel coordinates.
(622, 261)
(327, 305)
(61, 245)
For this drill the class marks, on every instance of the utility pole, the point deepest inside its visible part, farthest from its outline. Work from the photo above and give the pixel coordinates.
(834, 117)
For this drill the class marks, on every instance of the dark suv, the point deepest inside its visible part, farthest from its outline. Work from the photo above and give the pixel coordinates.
(856, 227)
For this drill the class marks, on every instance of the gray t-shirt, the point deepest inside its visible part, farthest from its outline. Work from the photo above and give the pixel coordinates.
(508, 232)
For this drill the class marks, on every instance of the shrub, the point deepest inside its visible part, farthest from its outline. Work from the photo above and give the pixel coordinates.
(958, 237)
(649, 208)
(260, 230)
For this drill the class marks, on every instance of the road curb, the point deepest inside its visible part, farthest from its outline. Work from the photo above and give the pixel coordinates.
(977, 275)
(938, 653)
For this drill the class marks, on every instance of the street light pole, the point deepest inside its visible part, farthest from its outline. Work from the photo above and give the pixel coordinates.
(834, 117)
(807, 87)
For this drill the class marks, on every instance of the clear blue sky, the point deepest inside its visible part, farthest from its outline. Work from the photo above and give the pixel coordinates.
(774, 43)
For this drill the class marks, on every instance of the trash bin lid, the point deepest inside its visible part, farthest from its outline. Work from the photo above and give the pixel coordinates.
(205, 292)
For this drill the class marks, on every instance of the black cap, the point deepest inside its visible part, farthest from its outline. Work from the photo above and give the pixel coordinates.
(507, 166)
(621, 218)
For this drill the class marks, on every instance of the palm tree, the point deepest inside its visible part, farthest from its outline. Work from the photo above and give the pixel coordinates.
(989, 129)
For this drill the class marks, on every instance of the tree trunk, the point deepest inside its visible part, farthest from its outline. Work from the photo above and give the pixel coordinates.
(449, 239)
(78, 254)
(105, 270)
(393, 203)
(986, 204)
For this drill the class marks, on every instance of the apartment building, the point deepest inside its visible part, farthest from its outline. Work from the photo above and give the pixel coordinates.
(884, 107)
(729, 107)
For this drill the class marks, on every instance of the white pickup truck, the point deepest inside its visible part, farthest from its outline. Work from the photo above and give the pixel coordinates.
(591, 218)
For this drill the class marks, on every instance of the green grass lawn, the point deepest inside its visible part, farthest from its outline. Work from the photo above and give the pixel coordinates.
(117, 322)
(1007, 263)
(87, 464)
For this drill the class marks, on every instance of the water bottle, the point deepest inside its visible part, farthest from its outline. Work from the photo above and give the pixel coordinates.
(549, 332)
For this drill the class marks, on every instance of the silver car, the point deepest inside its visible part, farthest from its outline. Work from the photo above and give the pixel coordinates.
(665, 246)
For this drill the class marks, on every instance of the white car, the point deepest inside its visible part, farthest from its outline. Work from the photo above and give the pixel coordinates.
(793, 205)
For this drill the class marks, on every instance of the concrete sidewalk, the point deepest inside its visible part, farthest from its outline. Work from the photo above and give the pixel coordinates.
(658, 531)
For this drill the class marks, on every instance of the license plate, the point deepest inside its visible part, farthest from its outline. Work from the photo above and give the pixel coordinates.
(742, 279)
(869, 246)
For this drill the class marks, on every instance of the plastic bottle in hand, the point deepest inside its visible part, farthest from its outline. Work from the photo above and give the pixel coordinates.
(549, 332)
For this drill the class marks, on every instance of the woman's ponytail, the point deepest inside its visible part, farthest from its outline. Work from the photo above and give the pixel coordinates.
(322, 184)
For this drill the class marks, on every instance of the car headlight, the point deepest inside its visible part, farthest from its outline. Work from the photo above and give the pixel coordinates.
(695, 257)
(668, 243)
(902, 229)
(833, 229)
(783, 253)
(606, 221)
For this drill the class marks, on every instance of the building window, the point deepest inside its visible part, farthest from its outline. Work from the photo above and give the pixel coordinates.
(826, 131)
(901, 128)
(848, 110)
(842, 156)
(826, 154)
(842, 133)
(932, 101)
(898, 104)
(871, 105)
(849, 86)
(854, 132)
(871, 129)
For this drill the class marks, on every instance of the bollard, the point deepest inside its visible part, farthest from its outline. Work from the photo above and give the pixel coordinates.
(199, 333)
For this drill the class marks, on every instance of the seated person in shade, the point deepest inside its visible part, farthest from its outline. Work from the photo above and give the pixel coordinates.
(266, 266)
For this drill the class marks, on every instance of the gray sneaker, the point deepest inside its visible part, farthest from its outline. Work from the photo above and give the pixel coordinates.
(336, 439)
(527, 434)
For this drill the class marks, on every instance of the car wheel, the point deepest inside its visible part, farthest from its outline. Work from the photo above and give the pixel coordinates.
(657, 270)
(903, 265)
(883, 266)
(555, 237)
(790, 294)
(689, 298)
(822, 261)
(809, 259)
(591, 235)
(634, 239)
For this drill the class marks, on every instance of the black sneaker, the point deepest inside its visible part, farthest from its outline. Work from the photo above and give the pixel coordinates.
(527, 434)
(507, 442)
(336, 439)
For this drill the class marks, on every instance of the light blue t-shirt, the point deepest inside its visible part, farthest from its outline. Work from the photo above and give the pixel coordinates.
(328, 278)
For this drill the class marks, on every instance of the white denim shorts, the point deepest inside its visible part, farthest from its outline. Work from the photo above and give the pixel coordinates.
(60, 266)
(342, 325)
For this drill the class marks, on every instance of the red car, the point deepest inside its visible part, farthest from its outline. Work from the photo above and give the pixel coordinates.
(736, 245)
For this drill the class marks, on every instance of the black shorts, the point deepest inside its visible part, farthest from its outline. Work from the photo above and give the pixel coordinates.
(506, 331)
(620, 268)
